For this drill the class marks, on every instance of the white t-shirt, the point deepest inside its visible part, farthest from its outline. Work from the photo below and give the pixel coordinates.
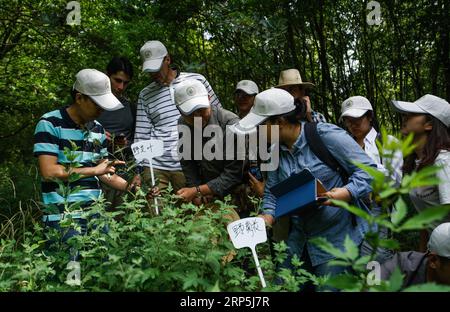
(427, 196)
(371, 149)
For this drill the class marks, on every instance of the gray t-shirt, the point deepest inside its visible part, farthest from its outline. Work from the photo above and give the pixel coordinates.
(428, 196)
(120, 121)
(221, 175)
(412, 264)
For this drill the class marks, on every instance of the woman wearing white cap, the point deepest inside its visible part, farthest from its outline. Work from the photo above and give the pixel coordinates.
(429, 119)
(276, 108)
(358, 117)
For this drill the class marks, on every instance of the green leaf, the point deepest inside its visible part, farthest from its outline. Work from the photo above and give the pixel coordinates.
(326, 246)
(353, 209)
(396, 280)
(407, 146)
(351, 249)
(343, 263)
(400, 211)
(389, 243)
(377, 175)
(344, 282)
(425, 177)
(387, 193)
(425, 218)
(362, 261)
(428, 287)
(215, 288)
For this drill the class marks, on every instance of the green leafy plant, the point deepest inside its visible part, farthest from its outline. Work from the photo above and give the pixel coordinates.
(388, 195)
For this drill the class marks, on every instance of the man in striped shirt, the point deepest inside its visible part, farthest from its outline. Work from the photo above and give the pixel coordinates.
(157, 115)
(76, 125)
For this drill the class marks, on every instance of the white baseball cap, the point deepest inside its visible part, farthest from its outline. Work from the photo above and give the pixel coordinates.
(271, 102)
(427, 104)
(97, 86)
(152, 54)
(248, 87)
(439, 242)
(191, 95)
(355, 107)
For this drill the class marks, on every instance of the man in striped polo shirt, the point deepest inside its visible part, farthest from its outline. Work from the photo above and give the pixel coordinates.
(157, 115)
(75, 124)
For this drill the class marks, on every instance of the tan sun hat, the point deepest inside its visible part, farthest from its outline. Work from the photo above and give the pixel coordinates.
(291, 77)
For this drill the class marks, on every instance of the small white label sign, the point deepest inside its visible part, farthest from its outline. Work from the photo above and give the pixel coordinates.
(247, 232)
(147, 149)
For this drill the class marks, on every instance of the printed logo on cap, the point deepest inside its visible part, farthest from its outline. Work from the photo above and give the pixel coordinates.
(348, 104)
(244, 83)
(190, 91)
(148, 54)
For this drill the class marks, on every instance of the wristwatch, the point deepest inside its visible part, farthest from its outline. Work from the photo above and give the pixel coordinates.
(199, 194)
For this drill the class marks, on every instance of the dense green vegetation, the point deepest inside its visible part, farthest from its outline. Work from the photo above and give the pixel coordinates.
(330, 42)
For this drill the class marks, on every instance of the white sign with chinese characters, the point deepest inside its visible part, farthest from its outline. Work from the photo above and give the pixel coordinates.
(249, 232)
(147, 150)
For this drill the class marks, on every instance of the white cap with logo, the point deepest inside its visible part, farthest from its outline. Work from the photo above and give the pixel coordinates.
(271, 102)
(355, 107)
(152, 54)
(191, 95)
(97, 86)
(439, 242)
(248, 87)
(427, 104)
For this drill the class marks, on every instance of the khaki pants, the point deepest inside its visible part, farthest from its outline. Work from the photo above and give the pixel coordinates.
(164, 177)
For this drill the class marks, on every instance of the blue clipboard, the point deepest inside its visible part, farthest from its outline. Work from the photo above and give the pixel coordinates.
(296, 193)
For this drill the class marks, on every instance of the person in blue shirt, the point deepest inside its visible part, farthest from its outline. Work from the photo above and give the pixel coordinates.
(276, 108)
(76, 125)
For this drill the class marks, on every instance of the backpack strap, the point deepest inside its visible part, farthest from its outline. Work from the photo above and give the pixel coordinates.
(319, 148)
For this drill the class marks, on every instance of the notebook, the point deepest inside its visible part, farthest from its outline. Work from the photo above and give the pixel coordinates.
(299, 191)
